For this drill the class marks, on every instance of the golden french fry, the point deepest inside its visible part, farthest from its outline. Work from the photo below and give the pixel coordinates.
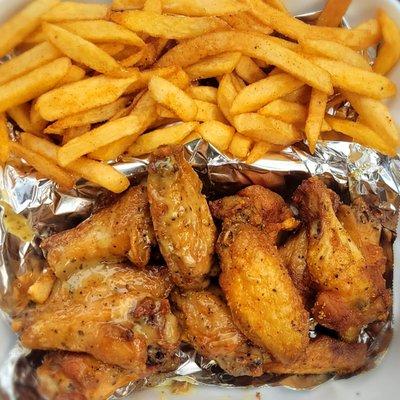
(18, 27)
(36, 37)
(248, 70)
(258, 151)
(172, 97)
(132, 59)
(37, 122)
(252, 45)
(102, 174)
(286, 111)
(301, 95)
(80, 96)
(111, 49)
(199, 8)
(336, 51)
(333, 12)
(191, 137)
(204, 93)
(240, 146)
(315, 118)
(153, 5)
(218, 134)
(33, 84)
(83, 51)
(277, 4)
(72, 133)
(225, 96)
(43, 165)
(152, 140)
(21, 116)
(256, 95)
(244, 21)
(389, 50)
(214, 66)
(74, 74)
(122, 5)
(208, 112)
(167, 26)
(72, 11)
(356, 80)
(237, 82)
(4, 139)
(163, 112)
(267, 129)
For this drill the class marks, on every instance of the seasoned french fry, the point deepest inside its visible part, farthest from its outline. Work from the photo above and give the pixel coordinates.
(267, 129)
(165, 113)
(256, 95)
(172, 97)
(72, 133)
(218, 134)
(389, 50)
(74, 74)
(244, 21)
(237, 82)
(208, 112)
(37, 122)
(167, 26)
(4, 139)
(21, 116)
(33, 84)
(204, 93)
(152, 140)
(199, 8)
(36, 37)
(252, 45)
(258, 151)
(248, 70)
(72, 11)
(18, 27)
(111, 49)
(301, 95)
(132, 59)
(153, 5)
(122, 5)
(315, 117)
(213, 66)
(192, 136)
(43, 165)
(83, 51)
(333, 12)
(277, 4)
(225, 96)
(80, 96)
(240, 146)
(286, 111)
(102, 174)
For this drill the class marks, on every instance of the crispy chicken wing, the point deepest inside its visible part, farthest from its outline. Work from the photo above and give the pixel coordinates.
(207, 325)
(264, 303)
(117, 314)
(351, 292)
(121, 230)
(182, 221)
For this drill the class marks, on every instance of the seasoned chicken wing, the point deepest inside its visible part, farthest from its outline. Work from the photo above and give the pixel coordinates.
(208, 326)
(351, 292)
(117, 314)
(264, 303)
(121, 230)
(182, 221)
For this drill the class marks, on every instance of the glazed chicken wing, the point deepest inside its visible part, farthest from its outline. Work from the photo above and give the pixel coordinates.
(182, 221)
(351, 292)
(121, 230)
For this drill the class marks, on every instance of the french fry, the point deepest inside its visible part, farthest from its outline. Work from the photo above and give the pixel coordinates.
(252, 45)
(356, 80)
(43, 165)
(267, 129)
(204, 93)
(277, 4)
(80, 96)
(172, 97)
(72, 133)
(333, 12)
(248, 70)
(163, 112)
(72, 11)
(37, 122)
(82, 51)
(132, 59)
(74, 74)
(18, 27)
(335, 51)
(36, 37)
(244, 21)
(258, 151)
(153, 5)
(32, 84)
(225, 96)
(99, 31)
(111, 49)
(4, 139)
(191, 137)
(167, 26)
(41, 289)
(214, 66)
(237, 82)
(21, 116)
(208, 112)
(301, 95)
(102, 174)
(256, 95)
(240, 146)
(150, 141)
(199, 8)
(389, 50)
(286, 111)
(315, 118)
(218, 134)
(122, 5)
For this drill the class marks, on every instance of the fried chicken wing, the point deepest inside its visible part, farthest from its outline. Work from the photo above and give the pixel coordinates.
(351, 292)
(264, 303)
(117, 314)
(208, 326)
(324, 355)
(121, 230)
(182, 220)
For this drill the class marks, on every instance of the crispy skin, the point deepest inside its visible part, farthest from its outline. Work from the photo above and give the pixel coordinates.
(257, 206)
(121, 230)
(351, 293)
(182, 220)
(208, 326)
(324, 355)
(117, 314)
(265, 304)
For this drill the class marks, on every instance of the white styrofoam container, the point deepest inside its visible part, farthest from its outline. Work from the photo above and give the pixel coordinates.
(380, 383)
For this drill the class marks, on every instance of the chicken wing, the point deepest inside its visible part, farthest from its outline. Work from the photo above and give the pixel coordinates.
(351, 293)
(117, 314)
(264, 303)
(207, 325)
(182, 221)
(121, 230)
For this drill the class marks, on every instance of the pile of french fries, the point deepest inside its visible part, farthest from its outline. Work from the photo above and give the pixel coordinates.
(88, 82)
